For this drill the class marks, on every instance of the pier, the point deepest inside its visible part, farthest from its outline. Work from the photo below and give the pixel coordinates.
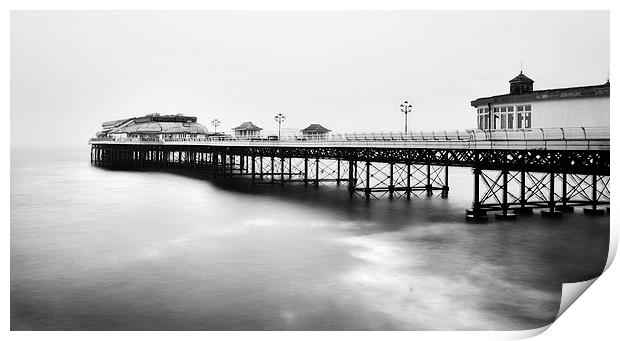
(514, 171)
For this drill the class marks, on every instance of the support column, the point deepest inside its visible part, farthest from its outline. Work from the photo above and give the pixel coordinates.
(429, 187)
(305, 171)
(316, 175)
(272, 172)
(352, 179)
(253, 170)
(445, 188)
(504, 215)
(391, 187)
(551, 212)
(408, 189)
(282, 171)
(367, 189)
(564, 207)
(594, 210)
(476, 214)
(522, 199)
(338, 173)
(290, 169)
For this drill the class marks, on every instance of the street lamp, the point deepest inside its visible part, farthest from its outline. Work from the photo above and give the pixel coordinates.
(406, 108)
(215, 123)
(279, 118)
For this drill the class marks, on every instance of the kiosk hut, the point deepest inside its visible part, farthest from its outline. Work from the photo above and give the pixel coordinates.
(247, 130)
(315, 131)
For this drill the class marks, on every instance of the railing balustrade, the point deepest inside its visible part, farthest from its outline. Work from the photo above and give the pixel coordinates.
(541, 138)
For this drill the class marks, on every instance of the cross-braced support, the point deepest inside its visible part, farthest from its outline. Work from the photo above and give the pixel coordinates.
(397, 180)
(511, 192)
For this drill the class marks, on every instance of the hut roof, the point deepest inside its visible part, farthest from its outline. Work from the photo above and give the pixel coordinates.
(249, 126)
(315, 128)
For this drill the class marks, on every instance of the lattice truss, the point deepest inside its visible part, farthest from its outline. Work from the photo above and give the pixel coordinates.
(322, 171)
(377, 180)
(528, 189)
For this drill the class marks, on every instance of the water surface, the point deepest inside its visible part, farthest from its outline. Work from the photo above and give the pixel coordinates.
(94, 249)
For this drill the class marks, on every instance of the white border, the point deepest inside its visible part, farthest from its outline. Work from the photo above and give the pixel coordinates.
(593, 315)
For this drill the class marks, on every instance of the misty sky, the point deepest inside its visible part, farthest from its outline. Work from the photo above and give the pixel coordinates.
(348, 71)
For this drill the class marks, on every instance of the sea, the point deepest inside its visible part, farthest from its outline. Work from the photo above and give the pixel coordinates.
(97, 249)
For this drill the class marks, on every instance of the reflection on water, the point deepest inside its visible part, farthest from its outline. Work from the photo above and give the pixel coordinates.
(94, 249)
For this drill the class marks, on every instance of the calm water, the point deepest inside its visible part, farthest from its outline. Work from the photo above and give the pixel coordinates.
(93, 249)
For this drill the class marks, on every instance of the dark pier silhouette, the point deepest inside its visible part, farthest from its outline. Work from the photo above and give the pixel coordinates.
(515, 172)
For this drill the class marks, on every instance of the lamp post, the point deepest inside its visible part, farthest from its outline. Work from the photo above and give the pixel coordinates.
(215, 123)
(406, 108)
(279, 118)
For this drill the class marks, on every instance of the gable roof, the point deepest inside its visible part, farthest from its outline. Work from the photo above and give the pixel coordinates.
(315, 128)
(544, 95)
(249, 126)
(521, 78)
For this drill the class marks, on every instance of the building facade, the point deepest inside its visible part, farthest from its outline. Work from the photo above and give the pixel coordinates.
(526, 108)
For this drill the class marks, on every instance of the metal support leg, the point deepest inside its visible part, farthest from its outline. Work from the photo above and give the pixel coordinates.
(316, 174)
(445, 188)
(408, 189)
(367, 189)
(429, 187)
(272, 171)
(338, 173)
(253, 170)
(351, 179)
(305, 171)
(391, 187)
(476, 214)
(282, 171)
(594, 210)
(504, 215)
(551, 213)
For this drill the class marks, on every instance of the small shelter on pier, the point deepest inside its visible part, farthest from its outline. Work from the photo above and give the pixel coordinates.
(247, 130)
(315, 131)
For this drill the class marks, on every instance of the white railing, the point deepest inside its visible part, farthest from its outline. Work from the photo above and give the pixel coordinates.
(579, 138)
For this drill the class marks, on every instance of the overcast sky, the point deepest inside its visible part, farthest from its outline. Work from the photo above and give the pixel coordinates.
(348, 71)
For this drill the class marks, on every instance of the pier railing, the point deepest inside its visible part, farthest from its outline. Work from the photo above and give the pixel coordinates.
(568, 138)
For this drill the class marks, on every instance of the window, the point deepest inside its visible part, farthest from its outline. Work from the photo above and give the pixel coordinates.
(503, 121)
(486, 121)
(511, 109)
(510, 118)
(480, 122)
(528, 120)
(503, 109)
(524, 116)
(486, 110)
(495, 109)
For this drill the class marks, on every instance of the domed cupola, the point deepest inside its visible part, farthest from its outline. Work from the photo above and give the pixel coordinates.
(521, 84)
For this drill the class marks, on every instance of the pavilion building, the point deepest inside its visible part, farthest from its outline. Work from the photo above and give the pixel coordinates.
(154, 127)
(525, 108)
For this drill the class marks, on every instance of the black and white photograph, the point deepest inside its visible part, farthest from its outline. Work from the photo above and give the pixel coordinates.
(306, 170)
